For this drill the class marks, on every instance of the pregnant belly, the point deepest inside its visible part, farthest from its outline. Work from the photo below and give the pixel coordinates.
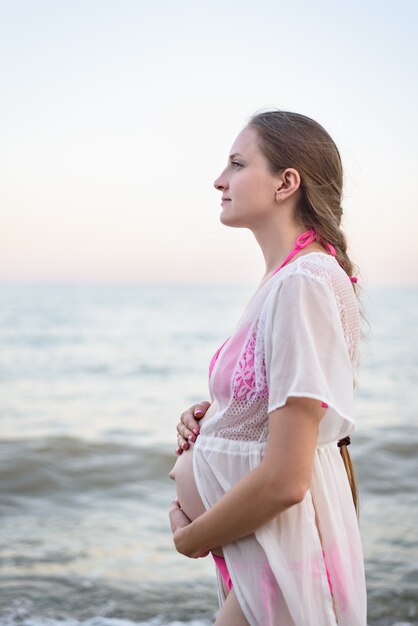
(182, 472)
(187, 493)
(186, 488)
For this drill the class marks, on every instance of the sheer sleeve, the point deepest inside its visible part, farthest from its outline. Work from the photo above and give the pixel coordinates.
(306, 352)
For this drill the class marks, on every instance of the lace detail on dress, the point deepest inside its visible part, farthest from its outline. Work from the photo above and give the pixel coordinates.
(243, 382)
(334, 277)
(249, 378)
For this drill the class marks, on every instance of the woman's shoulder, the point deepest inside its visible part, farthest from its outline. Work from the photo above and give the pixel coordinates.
(318, 267)
(311, 273)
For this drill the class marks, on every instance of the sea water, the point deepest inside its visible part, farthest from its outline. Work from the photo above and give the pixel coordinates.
(93, 380)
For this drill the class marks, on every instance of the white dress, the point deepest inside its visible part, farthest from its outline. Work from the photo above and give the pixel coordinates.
(298, 336)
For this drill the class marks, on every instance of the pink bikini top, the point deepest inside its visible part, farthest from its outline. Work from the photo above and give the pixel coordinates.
(301, 242)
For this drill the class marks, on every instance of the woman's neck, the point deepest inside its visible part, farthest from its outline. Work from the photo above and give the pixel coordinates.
(276, 243)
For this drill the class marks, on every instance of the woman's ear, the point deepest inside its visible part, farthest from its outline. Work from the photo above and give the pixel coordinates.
(288, 184)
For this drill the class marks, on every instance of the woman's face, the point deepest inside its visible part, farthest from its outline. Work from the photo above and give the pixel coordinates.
(248, 187)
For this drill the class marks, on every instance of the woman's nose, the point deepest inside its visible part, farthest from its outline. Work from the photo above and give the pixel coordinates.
(171, 474)
(219, 184)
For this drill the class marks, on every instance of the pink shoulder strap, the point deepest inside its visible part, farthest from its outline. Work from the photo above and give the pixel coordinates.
(301, 242)
(304, 240)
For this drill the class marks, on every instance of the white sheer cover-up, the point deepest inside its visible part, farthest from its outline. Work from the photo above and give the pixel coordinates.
(298, 336)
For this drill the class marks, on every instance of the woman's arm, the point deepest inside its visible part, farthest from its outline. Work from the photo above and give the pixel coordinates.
(280, 481)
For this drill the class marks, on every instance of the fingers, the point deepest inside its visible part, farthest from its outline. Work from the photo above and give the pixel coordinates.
(184, 438)
(182, 443)
(189, 424)
(188, 428)
(173, 512)
(178, 519)
(200, 409)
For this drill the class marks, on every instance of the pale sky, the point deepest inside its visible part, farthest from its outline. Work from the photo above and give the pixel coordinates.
(117, 116)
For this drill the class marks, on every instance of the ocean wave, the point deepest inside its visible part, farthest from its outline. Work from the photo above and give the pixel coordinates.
(56, 466)
(14, 618)
(64, 601)
(99, 621)
(386, 461)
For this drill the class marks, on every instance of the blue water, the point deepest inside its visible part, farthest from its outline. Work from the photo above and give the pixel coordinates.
(92, 383)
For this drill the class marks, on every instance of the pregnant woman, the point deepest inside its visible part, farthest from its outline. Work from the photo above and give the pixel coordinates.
(266, 483)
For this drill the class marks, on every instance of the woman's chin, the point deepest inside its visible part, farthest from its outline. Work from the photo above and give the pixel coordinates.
(228, 219)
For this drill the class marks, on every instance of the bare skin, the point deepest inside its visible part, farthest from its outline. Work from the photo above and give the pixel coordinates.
(188, 495)
(231, 613)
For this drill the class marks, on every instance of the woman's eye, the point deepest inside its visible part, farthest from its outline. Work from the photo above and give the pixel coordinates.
(236, 163)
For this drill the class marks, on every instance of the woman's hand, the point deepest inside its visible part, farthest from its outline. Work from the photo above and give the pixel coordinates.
(179, 521)
(188, 428)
